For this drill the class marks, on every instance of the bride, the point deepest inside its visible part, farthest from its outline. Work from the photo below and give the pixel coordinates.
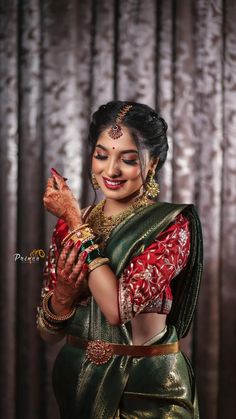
(121, 279)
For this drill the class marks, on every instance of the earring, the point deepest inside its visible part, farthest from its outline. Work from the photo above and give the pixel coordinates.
(94, 182)
(151, 186)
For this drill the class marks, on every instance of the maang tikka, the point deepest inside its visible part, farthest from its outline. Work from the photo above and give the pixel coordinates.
(116, 131)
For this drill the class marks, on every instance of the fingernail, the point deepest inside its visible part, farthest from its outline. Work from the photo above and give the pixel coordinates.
(78, 244)
(85, 267)
(83, 256)
(69, 243)
(54, 171)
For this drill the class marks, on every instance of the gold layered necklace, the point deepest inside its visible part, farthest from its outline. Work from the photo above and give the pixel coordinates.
(103, 225)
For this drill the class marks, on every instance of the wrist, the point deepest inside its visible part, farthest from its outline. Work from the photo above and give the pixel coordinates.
(55, 320)
(61, 303)
(73, 218)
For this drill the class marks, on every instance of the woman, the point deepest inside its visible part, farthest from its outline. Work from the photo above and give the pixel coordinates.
(122, 279)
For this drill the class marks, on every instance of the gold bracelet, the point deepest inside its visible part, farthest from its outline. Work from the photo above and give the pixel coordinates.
(96, 263)
(53, 326)
(41, 324)
(82, 233)
(53, 317)
(72, 232)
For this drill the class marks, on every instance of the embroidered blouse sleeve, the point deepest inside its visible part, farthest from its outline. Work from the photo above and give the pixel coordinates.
(149, 274)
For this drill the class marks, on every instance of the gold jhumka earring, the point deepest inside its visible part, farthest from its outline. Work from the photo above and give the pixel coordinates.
(94, 182)
(116, 131)
(151, 186)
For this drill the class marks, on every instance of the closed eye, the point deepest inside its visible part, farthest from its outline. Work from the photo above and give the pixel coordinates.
(100, 157)
(131, 162)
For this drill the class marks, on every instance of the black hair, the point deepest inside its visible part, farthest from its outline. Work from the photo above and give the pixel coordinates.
(146, 126)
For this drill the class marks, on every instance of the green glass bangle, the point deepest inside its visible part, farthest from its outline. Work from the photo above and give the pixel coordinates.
(85, 245)
(94, 254)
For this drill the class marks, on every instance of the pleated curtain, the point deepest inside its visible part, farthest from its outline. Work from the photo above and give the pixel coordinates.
(61, 59)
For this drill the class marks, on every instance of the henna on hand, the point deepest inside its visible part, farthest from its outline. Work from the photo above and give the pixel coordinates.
(60, 201)
(71, 277)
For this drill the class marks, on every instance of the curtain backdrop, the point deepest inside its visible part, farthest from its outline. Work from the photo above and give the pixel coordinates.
(61, 59)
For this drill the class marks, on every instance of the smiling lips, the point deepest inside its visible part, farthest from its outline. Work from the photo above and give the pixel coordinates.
(113, 184)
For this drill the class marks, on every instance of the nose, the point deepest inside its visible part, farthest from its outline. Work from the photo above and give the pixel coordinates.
(113, 168)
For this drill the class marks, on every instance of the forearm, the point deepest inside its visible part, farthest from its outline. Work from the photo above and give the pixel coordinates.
(103, 285)
(73, 218)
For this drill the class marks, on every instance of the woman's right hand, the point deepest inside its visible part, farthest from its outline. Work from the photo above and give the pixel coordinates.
(60, 201)
(71, 281)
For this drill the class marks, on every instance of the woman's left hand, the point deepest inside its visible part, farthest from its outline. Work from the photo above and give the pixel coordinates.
(60, 201)
(71, 285)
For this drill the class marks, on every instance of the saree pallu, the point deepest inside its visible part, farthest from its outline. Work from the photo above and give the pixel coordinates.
(157, 387)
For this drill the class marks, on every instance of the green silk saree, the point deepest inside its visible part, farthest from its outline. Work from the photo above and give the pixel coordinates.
(158, 387)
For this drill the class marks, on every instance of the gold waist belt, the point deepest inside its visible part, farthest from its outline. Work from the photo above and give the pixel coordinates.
(99, 352)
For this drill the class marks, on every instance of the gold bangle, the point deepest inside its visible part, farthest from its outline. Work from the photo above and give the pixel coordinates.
(82, 233)
(53, 317)
(96, 263)
(53, 326)
(41, 325)
(73, 231)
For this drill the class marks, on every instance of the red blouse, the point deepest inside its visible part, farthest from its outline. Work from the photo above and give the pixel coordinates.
(144, 285)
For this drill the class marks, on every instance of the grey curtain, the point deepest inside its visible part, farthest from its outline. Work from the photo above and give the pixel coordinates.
(58, 61)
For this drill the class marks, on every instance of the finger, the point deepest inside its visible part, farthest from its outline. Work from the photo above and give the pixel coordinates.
(77, 268)
(55, 172)
(82, 275)
(64, 255)
(59, 179)
(49, 186)
(72, 261)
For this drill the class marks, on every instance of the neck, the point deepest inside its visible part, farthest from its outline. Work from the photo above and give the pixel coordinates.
(113, 206)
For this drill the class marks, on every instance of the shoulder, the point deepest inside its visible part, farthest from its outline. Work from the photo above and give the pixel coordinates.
(188, 210)
(178, 230)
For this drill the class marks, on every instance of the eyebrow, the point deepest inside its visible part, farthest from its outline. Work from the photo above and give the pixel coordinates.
(122, 152)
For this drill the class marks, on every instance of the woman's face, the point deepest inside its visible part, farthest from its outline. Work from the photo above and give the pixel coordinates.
(116, 165)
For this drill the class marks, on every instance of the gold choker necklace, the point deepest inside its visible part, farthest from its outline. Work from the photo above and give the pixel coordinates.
(103, 225)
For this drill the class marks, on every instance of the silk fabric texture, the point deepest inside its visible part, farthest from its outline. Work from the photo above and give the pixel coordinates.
(126, 387)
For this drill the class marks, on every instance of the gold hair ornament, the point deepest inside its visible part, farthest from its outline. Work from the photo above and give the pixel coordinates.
(116, 131)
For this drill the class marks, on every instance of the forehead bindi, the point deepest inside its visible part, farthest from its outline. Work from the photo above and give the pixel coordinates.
(118, 151)
(123, 143)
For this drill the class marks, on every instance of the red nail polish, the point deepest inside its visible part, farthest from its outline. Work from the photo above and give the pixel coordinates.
(54, 171)
(78, 244)
(83, 256)
(69, 243)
